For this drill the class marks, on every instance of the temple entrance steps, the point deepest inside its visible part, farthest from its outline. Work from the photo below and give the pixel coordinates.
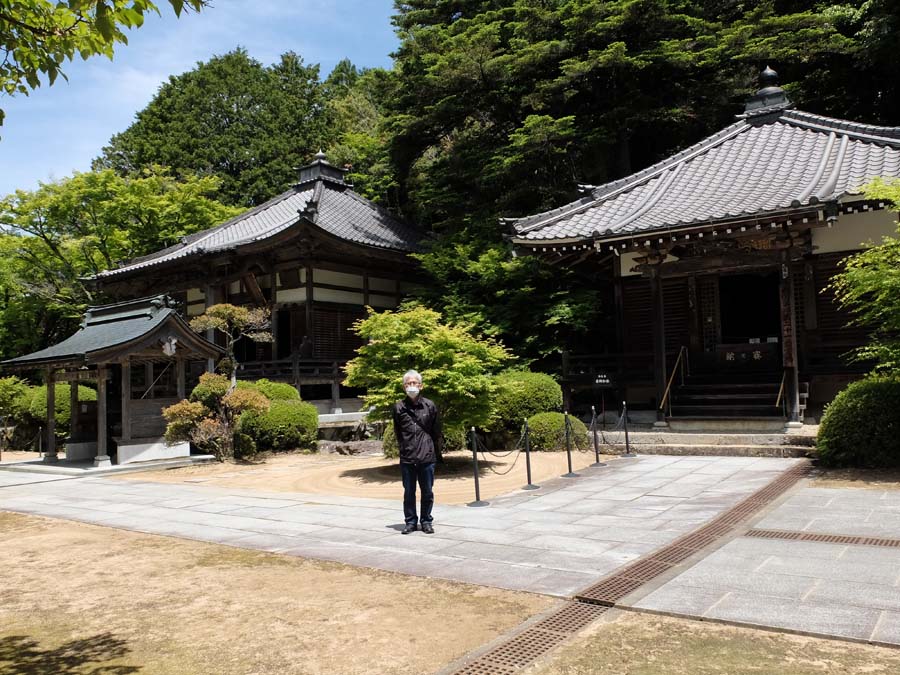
(742, 396)
(710, 443)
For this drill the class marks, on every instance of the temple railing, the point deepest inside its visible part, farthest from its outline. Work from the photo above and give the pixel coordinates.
(294, 370)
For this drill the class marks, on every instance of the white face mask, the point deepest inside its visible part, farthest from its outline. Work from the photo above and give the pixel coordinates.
(412, 391)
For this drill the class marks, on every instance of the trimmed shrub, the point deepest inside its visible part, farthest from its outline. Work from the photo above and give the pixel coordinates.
(211, 389)
(520, 395)
(15, 399)
(548, 432)
(861, 426)
(389, 442)
(288, 425)
(274, 391)
(37, 409)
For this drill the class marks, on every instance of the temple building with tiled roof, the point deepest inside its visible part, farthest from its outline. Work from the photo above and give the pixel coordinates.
(719, 260)
(315, 255)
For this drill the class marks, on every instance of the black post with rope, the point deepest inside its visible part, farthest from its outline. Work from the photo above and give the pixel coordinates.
(597, 461)
(477, 501)
(568, 427)
(628, 452)
(526, 437)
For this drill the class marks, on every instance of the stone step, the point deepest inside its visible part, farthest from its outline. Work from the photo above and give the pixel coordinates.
(697, 438)
(713, 450)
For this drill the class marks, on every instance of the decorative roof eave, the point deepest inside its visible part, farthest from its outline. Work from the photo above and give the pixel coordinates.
(818, 213)
(168, 325)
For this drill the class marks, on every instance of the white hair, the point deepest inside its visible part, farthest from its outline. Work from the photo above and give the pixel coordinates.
(411, 373)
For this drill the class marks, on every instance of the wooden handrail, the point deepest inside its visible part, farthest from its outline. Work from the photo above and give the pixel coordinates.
(781, 389)
(681, 352)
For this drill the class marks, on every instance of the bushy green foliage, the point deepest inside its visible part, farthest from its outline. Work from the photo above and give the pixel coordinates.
(234, 322)
(210, 390)
(233, 117)
(389, 442)
(274, 391)
(861, 426)
(288, 425)
(15, 399)
(37, 409)
(53, 237)
(456, 365)
(209, 419)
(869, 286)
(522, 394)
(548, 432)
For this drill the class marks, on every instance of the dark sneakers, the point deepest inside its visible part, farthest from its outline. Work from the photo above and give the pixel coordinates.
(427, 528)
(409, 529)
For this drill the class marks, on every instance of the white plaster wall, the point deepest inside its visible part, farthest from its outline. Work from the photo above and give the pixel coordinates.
(331, 295)
(195, 295)
(337, 278)
(290, 295)
(147, 449)
(852, 231)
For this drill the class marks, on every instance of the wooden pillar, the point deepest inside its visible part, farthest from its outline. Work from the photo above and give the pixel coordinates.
(789, 342)
(659, 341)
(50, 439)
(102, 459)
(73, 408)
(310, 333)
(211, 294)
(336, 389)
(126, 400)
(274, 323)
(148, 379)
(180, 379)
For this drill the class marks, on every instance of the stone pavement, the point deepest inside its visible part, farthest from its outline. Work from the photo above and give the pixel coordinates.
(850, 591)
(556, 540)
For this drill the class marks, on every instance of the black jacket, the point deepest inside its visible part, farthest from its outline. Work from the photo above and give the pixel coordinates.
(417, 426)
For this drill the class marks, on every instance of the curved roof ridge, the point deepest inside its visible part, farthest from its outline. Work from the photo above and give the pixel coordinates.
(650, 201)
(866, 132)
(831, 183)
(616, 187)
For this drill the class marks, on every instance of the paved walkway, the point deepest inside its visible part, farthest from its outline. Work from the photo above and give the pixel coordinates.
(850, 591)
(556, 540)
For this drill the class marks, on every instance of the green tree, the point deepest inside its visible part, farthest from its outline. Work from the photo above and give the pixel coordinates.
(230, 117)
(869, 286)
(234, 323)
(53, 237)
(39, 36)
(456, 365)
(502, 106)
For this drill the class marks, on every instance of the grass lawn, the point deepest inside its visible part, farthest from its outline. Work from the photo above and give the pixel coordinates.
(644, 644)
(79, 598)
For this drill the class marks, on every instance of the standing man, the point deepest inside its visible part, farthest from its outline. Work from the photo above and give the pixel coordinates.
(417, 425)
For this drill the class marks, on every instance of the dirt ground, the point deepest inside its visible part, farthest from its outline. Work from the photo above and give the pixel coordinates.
(644, 644)
(373, 477)
(873, 479)
(17, 456)
(79, 598)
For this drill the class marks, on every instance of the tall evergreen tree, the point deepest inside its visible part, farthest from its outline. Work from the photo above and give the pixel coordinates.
(230, 117)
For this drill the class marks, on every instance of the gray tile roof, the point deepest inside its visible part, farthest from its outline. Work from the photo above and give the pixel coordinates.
(108, 326)
(761, 164)
(340, 212)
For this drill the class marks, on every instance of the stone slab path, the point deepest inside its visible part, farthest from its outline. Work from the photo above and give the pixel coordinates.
(556, 540)
(850, 591)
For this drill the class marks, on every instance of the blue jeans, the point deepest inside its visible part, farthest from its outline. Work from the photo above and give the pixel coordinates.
(424, 475)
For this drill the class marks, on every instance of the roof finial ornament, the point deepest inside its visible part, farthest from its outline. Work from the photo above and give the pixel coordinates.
(770, 98)
(320, 156)
(768, 78)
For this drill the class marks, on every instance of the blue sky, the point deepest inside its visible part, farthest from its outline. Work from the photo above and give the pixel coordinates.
(60, 129)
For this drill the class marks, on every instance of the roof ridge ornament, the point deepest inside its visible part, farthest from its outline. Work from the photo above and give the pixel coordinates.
(321, 169)
(768, 98)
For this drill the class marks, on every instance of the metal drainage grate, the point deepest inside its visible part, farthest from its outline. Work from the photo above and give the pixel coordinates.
(532, 643)
(551, 631)
(825, 538)
(613, 588)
